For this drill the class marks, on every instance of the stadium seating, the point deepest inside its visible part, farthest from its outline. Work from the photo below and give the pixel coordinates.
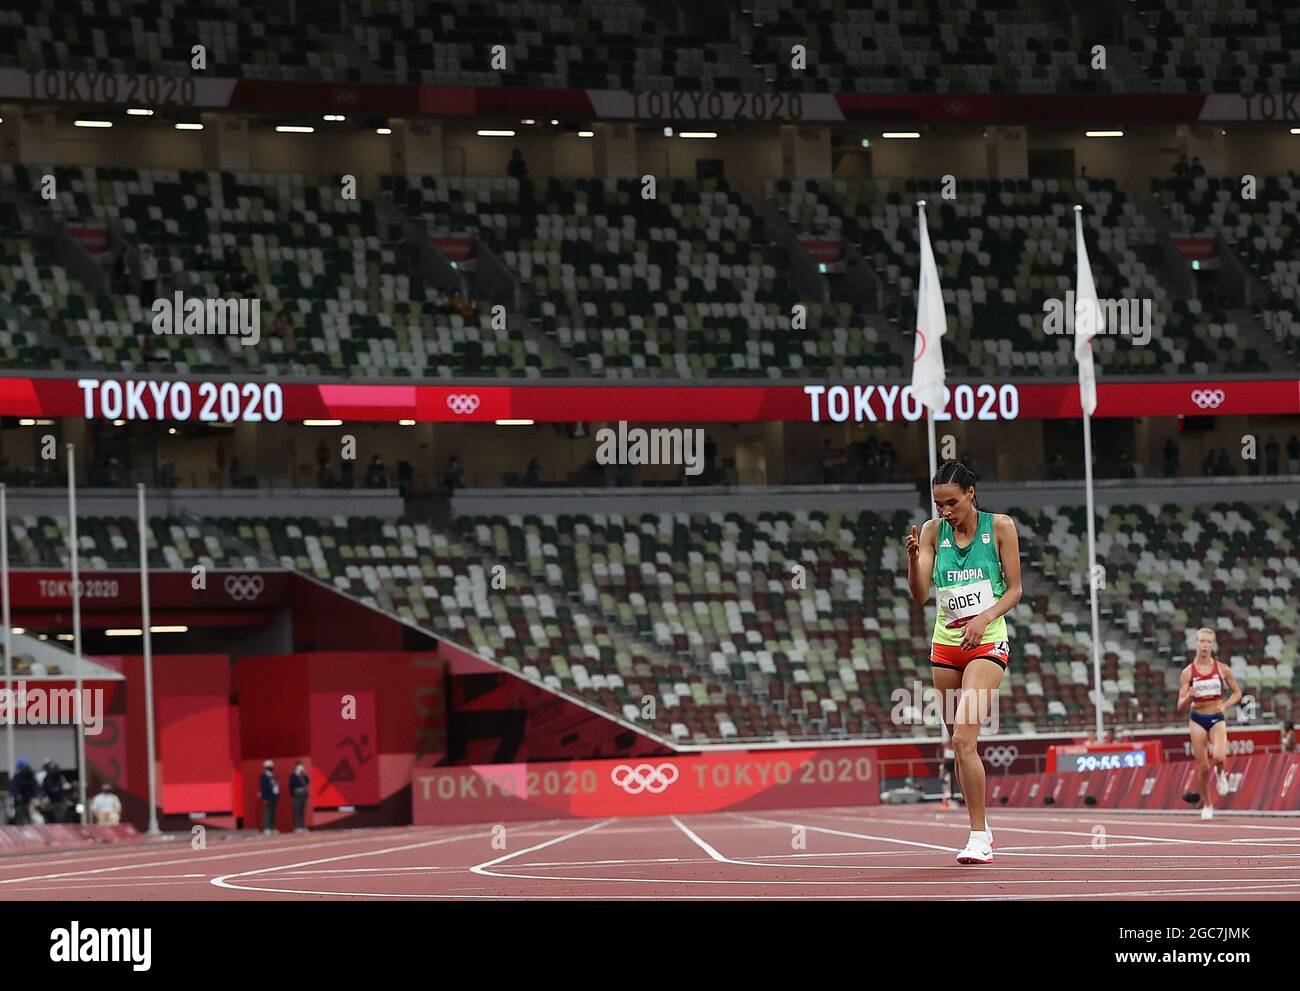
(1004, 247)
(1219, 46)
(155, 36)
(878, 46)
(1172, 569)
(709, 616)
(687, 285)
(1262, 232)
(684, 285)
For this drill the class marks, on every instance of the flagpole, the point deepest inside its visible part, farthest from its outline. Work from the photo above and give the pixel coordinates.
(934, 461)
(924, 234)
(1087, 476)
(76, 629)
(8, 630)
(145, 618)
(1092, 570)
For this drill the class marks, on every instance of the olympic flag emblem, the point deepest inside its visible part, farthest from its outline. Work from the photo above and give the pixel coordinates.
(462, 405)
(1208, 398)
(244, 587)
(637, 778)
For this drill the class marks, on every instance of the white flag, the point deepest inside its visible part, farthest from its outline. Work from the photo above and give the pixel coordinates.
(1088, 320)
(931, 324)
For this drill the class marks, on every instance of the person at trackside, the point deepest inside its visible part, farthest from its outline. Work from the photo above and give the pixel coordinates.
(300, 791)
(270, 791)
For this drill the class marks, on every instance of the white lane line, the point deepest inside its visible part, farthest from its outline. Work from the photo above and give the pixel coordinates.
(699, 841)
(196, 859)
(603, 863)
(224, 881)
(1001, 829)
(483, 867)
(851, 835)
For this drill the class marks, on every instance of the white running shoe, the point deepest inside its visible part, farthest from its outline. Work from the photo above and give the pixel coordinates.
(1223, 781)
(978, 850)
(1207, 812)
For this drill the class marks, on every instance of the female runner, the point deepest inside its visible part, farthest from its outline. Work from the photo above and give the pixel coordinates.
(1201, 688)
(972, 559)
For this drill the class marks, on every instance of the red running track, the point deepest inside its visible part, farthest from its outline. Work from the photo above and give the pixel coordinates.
(879, 853)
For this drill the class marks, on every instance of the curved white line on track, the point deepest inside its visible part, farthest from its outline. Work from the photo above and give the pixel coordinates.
(194, 859)
(224, 880)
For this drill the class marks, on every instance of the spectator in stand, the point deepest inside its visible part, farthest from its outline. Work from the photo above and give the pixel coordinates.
(106, 808)
(300, 790)
(1222, 466)
(1126, 469)
(462, 306)
(346, 471)
(322, 455)
(1210, 464)
(166, 473)
(830, 470)
(269, 789)
(888, 460)
(1272, 455)
(1180, 168)
(455, 477)
(871, 460)
(533, 473)
(116, 476)
(1293, 455)
(55, 792)
(1171, 458)
(1056, 468)
(1196, 171)
(518, 170)
(121, 273)
(1288, 739)
(148, 276)
(23, 790)
(284, 331)
(376, 474)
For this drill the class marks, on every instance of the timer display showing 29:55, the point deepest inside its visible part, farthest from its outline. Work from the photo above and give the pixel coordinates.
(1101, 762)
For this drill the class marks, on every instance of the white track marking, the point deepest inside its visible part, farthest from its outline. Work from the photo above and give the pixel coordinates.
(1001, 829)
(223, 881)
(698, 841)
(841, 832)
(483, 867)
(188, 861)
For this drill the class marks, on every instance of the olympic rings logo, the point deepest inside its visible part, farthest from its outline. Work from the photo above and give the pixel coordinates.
(462, 405)
(244, 587)
(644, 777)
(1208, 398)
(1001, 756)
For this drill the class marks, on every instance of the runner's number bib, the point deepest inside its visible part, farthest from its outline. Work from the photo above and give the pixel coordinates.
(965, 602)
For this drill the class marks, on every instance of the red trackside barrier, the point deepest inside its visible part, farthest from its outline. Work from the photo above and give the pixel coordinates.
(1261, 782)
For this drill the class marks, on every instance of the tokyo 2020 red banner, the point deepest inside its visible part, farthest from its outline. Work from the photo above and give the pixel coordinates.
(104, 87)
(730, 780)
(264, 401)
